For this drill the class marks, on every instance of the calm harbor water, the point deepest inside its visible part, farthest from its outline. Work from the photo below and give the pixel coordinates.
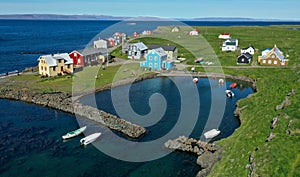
(31, 143)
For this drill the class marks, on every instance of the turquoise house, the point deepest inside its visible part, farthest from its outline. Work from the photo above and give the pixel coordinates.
(156, 59)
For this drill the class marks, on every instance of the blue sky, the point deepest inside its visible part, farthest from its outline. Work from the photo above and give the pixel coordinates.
(270, 9)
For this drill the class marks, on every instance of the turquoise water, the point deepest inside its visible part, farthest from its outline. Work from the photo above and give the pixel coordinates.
(31, 144)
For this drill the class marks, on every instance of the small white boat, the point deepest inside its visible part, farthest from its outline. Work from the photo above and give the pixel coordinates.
(195, 80)
(89, 139)
(211, 133)
(229, 93)
(221, 82)
(74, 133)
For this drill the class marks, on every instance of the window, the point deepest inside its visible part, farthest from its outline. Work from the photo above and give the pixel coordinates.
(269, 61)
(275, 62)
(79, 61)
(243, 60)
(59, 61)
(150, 58)
(155, 58)
(155, 65)
(150, 65)
(75, 55)
(68, 66)
(45, 69)
(54, 68)
(273, 56)
(264, 61)
(42, 68)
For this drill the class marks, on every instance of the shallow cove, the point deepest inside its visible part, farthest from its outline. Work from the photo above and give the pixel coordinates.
(30, 136)
(141, 92)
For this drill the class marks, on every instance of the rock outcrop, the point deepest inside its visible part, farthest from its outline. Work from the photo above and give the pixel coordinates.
(208, 154)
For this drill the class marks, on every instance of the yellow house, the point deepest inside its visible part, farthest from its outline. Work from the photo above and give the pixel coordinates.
(272, 57)
(55, 65)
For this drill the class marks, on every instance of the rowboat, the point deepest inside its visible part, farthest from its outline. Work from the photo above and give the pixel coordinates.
(74, 133)
(233, 85)
(211, 133)
(195, 80)
(89, 139)
(229, 93)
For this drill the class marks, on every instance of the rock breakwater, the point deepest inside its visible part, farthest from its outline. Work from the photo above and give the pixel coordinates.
(63, 102)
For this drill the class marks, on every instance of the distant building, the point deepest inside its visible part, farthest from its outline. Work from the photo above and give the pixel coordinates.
(135, 35)
(111, 42)
(244, 58)
(194, 33)
(147, 32)
(101, 44)
(273, 57)
(224, 36)
(250, 50)
(137, 50)
(119, 38)
(230, 45)
(171, 51)
(156, 59)
(55, 64)
(175, 29)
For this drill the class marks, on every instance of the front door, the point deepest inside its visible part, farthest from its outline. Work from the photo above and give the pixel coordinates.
(62, 69)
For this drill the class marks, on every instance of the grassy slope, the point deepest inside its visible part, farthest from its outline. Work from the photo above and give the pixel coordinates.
(281, 156)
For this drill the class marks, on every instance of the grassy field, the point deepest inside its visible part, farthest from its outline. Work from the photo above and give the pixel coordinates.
(90, 78)
(280, 156)
(260, 37)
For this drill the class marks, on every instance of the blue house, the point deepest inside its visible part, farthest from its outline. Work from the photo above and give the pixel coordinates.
(156, 59)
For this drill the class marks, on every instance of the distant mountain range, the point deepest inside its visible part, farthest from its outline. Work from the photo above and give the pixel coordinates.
(107, 17)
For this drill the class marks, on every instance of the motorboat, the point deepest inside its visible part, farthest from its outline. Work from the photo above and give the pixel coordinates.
(74, 133)
(229, 93)
(211, 133)
(89, 139)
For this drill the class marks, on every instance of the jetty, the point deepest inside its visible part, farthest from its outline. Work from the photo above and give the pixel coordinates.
(63, 102)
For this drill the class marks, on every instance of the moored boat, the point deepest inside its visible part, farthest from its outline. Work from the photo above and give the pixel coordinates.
(221, 81)
(233, 85)
(211, 133)
(89, 139)
(229, 93)
(195, 80)
(74, 133)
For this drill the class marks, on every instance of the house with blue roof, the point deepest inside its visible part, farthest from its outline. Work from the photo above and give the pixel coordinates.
(273, 57)
(156, 59)
(137, 50)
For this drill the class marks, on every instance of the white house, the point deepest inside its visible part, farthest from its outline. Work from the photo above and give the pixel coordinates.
(250, 50)
(224, 36)
(194, 33)
(230, 45)
(101, 44)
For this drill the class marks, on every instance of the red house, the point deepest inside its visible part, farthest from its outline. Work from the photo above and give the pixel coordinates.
(77, 57)
(135, 34)
(111, 42)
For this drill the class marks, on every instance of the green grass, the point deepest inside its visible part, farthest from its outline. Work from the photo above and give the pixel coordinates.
(90, 78)
(281, 156)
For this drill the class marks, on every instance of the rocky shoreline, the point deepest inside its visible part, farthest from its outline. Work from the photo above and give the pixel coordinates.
(208, 154)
